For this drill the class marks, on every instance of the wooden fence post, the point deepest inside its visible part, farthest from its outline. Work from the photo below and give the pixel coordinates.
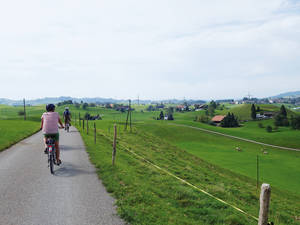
(83, 124)
(114, 145)
(265, 195)
(87, 126)
(95, 133)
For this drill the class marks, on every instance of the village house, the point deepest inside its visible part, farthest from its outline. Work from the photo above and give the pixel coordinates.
(218, 119)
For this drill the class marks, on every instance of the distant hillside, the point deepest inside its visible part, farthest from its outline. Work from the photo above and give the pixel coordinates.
(243, 112)
(56, 100)
(294, 94)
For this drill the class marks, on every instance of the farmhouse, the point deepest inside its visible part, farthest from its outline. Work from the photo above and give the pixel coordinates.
(217, 119)
(269, 114)
(182, 108)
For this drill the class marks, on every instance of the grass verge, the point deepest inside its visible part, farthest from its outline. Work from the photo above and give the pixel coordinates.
(12, 131)
(146, 195)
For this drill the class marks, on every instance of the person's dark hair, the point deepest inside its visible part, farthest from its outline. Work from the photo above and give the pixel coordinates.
(50, 107)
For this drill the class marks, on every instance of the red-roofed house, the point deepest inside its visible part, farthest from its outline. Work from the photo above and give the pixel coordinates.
(217, 119)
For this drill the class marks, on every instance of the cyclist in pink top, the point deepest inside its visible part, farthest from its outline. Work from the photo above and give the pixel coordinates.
(49, 126)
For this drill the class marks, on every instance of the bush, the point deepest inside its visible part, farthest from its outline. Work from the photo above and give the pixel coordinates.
(21, 113)
(295, 122)
(87, 116)
(170, 117)
(260, 125)
(269, 129)
(202, 119)
(212, 123)
(85, 105)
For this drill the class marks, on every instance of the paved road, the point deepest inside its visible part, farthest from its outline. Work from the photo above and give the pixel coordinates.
(30, 195)
(239, 138)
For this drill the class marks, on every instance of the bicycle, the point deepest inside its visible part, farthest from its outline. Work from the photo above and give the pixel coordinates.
(67, 127)
(51, 153)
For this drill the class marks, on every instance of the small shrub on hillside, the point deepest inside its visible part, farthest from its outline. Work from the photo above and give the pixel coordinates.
(202, 119)
(170, 117)
(212, 123)
(77, 105)
(269, 129)
(85, 105)
(161, 115)
(260, 125)
(87, 116)
(21, 113)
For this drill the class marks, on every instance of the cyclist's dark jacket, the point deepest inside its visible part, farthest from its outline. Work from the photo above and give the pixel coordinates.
(67, 115)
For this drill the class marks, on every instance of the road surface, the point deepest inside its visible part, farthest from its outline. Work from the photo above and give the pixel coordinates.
(30, 195)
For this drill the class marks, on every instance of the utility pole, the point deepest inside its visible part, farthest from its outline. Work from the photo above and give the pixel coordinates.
(128, 115)
(24, 108)
(257, 172)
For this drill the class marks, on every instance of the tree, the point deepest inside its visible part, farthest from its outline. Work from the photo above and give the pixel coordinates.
(281, 118)
(230, 121)
(150, 108)
(170, 117)
(213, 104)
(253, 112)
(170, 110)
(295, 122)
(283, 111)
(161, 115)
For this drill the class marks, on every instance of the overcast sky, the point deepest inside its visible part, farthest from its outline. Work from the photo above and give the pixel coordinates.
(156, 49)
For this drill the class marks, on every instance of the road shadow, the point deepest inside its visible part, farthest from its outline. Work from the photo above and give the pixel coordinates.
(70, 170)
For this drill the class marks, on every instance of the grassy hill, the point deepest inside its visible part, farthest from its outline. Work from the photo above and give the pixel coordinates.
(243, 112)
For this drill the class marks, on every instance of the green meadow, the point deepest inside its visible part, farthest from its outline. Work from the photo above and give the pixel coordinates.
(146, 195)
(13, 128)
(283, 136)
